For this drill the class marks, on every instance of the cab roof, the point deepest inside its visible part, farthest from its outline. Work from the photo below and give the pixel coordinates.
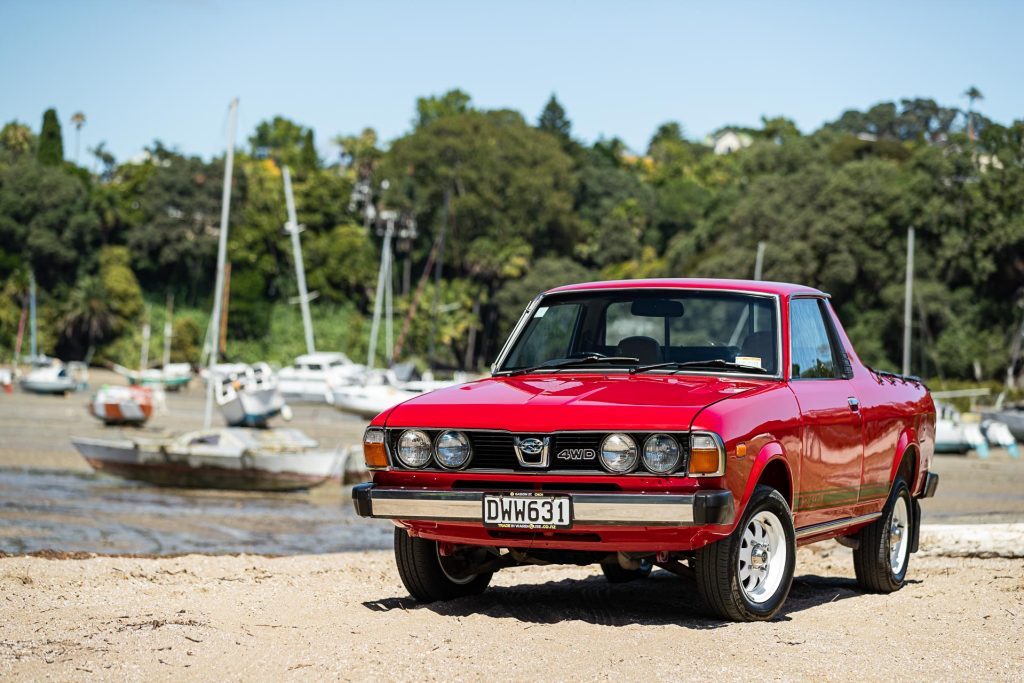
(755, 286)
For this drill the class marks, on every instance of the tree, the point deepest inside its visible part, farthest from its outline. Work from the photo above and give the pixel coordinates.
(973, 95)
(16, 139)
(286, 142)
(554, 121)
(430, 109)
(78, 120)
(51, 140)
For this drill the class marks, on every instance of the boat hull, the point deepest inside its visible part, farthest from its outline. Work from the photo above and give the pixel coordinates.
(275, 472)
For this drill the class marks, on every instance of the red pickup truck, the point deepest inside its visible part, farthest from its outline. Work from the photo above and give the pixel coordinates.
(704, 426)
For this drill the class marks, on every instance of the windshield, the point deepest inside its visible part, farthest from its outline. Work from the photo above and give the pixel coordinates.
(731, 332)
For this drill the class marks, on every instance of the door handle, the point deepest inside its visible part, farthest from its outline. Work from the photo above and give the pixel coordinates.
(854, 403)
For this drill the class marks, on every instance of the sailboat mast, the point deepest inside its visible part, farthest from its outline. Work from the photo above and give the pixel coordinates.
(907, 306)
(32, 315)
(382, 274)
(293, 229)
(144, 351)
(168, 331)
(222, 253)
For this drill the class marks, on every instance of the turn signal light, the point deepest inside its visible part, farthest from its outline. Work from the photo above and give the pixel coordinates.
(707, 455)
(374, 453)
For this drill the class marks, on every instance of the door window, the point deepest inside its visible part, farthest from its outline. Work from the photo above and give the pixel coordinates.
(811, 352)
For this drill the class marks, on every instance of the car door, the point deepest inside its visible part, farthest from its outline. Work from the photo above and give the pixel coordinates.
(832, 439)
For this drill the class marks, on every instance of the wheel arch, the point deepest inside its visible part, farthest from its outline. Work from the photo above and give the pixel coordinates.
(770, 467)
(907, 461)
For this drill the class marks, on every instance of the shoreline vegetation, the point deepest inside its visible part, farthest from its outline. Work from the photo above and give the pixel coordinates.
(523, 205)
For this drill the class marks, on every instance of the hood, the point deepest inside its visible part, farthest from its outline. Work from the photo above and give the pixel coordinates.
(570, 402)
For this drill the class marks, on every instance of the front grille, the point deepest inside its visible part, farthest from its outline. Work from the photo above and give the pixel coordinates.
(569, 451)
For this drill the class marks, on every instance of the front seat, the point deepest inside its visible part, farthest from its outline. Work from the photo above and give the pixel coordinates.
(646, 349)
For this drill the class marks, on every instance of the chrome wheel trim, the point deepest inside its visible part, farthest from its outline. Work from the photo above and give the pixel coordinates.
(444, 570)
(763, 557)
(899, 528)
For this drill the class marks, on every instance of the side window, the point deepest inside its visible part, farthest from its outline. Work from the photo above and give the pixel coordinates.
(810, 345)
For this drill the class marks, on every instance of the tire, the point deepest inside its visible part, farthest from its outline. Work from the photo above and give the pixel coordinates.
(616, 574)
(423, 571)
(881, 566)
(747, 576)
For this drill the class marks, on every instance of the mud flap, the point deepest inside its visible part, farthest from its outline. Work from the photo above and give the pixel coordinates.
(915, 526)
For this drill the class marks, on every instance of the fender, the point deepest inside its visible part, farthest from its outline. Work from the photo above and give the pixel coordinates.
(908, 439)
(769, 453)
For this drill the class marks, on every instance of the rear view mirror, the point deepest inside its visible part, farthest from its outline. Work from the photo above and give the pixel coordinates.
(657, 308)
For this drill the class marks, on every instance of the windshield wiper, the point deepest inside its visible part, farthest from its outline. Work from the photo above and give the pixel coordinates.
(710, 363)
(571, 362)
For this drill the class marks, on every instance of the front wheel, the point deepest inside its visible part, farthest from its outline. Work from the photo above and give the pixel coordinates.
(881, 558)
(746, 576)
(429, 576)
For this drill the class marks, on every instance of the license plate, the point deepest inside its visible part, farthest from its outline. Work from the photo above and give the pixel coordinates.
(527, 510)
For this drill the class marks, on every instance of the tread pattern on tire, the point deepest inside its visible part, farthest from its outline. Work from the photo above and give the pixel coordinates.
(421, 572)
(716, 570)
(871, 558)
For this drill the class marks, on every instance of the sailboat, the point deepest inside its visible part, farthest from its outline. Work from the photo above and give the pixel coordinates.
(251, 398)
(50, 375)
(225, 457)
(314, 375)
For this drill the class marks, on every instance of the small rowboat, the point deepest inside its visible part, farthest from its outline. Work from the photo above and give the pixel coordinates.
(122, 405)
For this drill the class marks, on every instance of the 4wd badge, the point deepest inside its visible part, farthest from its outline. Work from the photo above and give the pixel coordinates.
(576, 454)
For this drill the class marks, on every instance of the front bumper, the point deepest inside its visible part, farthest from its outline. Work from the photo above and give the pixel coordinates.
(589, 509)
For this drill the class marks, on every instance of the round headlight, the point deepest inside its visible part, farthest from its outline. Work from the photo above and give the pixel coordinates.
(452, 450)
(661, 453)
(414, 448)
(618, 453)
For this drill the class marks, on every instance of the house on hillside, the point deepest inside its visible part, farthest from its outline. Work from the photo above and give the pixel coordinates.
(727, 141)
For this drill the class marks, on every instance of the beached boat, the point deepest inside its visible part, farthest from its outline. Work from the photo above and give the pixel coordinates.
(56, 378)
(380, 390)
(954, 434)
(122, 405)
(314, 376)
(172, 376)
(224, 458)
(1012, 416)
(251, 398)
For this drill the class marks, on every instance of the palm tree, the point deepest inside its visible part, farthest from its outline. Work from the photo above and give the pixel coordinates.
(972, 94)
(77, 120)
(87, 317)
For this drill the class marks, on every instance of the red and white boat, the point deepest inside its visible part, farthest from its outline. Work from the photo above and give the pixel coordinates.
(116, 405)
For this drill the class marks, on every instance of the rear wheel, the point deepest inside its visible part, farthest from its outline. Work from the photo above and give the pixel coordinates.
(615, 573)
(429, 576)
(746, 576)
(881, 558)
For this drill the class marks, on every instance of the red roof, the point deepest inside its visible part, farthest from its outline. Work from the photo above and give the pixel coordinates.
(758, 286)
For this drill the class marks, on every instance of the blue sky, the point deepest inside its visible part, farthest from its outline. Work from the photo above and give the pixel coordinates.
(161, 69)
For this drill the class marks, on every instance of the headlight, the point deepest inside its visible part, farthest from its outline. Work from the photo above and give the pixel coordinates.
(618, 453)
(452, 450)
(414, 448)
(661, 453)
(707, 455)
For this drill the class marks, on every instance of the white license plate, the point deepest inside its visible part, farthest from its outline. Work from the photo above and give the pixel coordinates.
(527, 510)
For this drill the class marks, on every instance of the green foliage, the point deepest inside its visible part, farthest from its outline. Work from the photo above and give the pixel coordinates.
(528, 207)
(51, 141)
(430, 109)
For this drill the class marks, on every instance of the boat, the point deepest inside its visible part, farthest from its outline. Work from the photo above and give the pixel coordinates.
(172, 376)
(313, 376)
(115, 405)
(251, 398)
(380, 390)
(221, 458)
(56, 378)
(954, 434)
(998, 434)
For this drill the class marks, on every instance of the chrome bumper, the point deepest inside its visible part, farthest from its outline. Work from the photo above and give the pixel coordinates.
(589, 509)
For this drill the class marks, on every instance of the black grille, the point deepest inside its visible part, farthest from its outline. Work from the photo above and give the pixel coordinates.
(568, 451)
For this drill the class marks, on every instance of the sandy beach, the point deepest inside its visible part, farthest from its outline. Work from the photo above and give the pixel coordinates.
(102, 579)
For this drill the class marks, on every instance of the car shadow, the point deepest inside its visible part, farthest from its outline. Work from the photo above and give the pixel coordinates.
(662, 599)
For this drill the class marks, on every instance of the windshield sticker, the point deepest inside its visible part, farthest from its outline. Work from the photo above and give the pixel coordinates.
(540, 312)
(749, 361)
